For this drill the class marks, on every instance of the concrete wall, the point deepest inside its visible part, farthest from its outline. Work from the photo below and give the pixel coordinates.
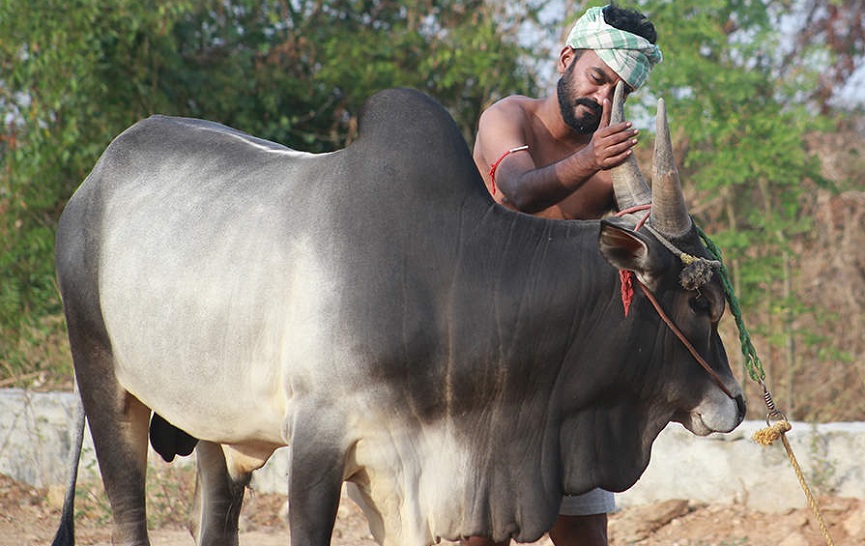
(732, 468)
(35, 436)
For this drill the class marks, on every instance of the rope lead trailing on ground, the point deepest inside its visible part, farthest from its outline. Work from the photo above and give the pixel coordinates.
(781, 426)
(766, 437)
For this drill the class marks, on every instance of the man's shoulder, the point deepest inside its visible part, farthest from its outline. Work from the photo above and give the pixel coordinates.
(514, 111)
(515, 104)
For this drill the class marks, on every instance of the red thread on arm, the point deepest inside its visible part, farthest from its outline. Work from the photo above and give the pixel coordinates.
(495, 165)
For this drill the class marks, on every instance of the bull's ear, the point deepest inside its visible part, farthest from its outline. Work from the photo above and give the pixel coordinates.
(624, 248)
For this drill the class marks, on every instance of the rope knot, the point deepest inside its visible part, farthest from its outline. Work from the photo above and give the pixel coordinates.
(696, 273)
(767, 436)
(687, 259)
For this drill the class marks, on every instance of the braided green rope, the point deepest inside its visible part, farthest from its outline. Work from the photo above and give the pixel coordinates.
(752, 361)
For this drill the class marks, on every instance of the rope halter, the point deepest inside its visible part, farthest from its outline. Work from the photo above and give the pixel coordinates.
(696, 272)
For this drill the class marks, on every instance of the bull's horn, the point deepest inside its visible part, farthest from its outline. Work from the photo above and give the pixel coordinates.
(629, 185)
(669, 213)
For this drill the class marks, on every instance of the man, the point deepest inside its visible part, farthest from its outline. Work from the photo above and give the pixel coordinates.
(550, 157)
(563, 144)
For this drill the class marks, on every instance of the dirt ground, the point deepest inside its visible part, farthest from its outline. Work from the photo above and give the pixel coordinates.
(28, 516)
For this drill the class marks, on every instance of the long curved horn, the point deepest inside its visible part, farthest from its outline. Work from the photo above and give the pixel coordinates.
(629, 186)
(669, 213)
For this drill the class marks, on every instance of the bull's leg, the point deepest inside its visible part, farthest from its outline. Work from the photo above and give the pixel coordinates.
(314, 486)
(218, 498)
(118, 423)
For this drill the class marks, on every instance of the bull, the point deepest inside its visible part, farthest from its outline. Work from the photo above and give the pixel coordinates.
(461, 365)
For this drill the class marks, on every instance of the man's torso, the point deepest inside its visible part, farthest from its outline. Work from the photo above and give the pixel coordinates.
(595, 197)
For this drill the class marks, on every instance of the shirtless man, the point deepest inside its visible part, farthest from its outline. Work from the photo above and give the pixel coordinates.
(550, 157)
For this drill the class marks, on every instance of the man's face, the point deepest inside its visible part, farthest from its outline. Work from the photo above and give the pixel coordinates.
(585, 80)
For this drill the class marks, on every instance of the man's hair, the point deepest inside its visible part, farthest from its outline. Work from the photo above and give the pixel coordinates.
(630, 20)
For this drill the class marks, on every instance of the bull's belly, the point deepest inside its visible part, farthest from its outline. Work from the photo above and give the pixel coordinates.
(222, 377)
(217, 378)
(214, 341)
(237, 409)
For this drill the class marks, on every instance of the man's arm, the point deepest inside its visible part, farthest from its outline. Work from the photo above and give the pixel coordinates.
(531, 188)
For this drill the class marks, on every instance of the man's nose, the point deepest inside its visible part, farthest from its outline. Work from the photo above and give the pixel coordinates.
(605, 92)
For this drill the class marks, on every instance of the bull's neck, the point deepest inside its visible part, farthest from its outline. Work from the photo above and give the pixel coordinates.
(544, 281)
(532, 303)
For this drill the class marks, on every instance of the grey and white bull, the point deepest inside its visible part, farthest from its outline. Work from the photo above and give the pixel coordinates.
(462, 365)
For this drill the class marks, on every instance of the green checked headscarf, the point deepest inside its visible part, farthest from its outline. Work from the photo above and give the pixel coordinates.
(629, 55)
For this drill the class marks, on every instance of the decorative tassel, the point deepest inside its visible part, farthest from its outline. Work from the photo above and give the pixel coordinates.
(627, 288)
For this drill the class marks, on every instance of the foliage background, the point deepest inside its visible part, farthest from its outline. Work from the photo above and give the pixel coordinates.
(754, 93)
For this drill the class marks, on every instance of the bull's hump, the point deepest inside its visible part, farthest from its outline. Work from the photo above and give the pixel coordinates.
(406, 111)
(420, 138)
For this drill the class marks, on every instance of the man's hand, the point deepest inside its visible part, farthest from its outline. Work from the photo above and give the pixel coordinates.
(610, 145)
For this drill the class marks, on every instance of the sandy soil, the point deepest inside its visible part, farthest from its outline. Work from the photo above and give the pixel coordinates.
(28, 516)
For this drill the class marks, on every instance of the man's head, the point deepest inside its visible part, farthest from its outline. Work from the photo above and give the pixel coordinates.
(623, 41)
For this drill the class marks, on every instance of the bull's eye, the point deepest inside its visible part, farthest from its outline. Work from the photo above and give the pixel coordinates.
(700, 304)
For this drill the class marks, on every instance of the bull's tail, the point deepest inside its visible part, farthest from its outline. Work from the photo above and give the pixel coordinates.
(66, 531)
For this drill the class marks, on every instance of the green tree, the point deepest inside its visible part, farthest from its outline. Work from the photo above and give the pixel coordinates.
(75, 74)
(829, 34)
(59, 107)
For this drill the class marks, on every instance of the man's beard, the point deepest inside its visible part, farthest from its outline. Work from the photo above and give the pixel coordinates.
(587, 123)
